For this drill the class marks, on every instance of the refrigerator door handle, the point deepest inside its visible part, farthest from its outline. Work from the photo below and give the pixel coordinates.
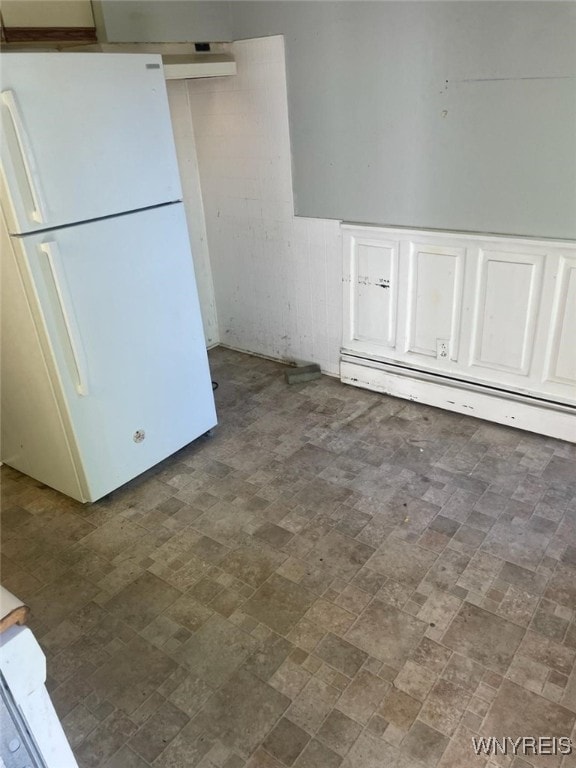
(38, 213)
(52, 253)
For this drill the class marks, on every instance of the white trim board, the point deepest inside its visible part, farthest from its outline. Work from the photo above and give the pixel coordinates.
(465, 398)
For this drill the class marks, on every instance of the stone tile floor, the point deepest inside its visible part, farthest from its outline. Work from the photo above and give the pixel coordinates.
(334, 578)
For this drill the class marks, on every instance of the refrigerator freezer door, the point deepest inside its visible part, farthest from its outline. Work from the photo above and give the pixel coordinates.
(120, 310)
(84, 135)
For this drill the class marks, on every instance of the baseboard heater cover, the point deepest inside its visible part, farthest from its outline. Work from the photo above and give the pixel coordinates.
(514, 410)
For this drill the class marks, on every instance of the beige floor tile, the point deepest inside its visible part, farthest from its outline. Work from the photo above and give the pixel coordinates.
(242, 712)
(517, 712)
(215, 650)
(484, 637)
(386, 633)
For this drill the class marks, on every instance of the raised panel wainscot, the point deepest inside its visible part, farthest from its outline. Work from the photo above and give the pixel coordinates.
(476, 324)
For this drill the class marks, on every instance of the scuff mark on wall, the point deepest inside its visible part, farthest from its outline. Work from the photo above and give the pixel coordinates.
(509, 79)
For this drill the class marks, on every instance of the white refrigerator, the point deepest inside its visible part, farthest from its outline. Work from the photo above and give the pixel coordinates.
(104, 366)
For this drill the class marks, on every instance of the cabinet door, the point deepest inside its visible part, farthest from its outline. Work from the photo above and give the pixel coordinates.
(121, 315)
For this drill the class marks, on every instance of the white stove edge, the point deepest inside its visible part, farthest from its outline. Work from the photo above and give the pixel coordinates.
(23, 665)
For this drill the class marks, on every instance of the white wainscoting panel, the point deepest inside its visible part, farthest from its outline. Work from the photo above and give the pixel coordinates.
(562, 358)
(491, 318)
(371, 282)
(509, 291)
(435, 294)
(376, 267)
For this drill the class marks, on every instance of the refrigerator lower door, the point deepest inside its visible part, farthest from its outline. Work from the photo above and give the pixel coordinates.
(34, 435)
(120, 312)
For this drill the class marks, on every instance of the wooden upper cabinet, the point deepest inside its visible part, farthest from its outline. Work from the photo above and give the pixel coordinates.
(48, 20)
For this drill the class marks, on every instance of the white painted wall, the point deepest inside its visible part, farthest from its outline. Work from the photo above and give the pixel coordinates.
(192, 199)
(277, 278)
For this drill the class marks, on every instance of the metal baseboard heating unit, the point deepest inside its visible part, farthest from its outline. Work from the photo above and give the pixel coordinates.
(483, 402)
